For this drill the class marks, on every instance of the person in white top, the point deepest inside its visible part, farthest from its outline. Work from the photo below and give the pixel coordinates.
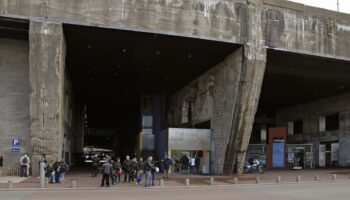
(192, 165)
(25, 162)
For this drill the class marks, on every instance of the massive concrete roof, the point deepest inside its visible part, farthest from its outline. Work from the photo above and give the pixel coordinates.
(275, 24)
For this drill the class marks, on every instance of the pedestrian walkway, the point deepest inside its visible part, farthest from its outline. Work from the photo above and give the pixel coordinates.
(14, 179)
(84, 179)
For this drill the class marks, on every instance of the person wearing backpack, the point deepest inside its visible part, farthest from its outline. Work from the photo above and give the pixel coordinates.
(24, 161)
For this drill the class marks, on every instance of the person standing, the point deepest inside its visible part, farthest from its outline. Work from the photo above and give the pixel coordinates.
(148, 168)
(1, 160)
(197, 163)
(95, 164)
(192, 165)
(140, 172)
(106, 170)
(133, 169)
(118, 166)
(127, 169)
(167, 166)
(24, 161)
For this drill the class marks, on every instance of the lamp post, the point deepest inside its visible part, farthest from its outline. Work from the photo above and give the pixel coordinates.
(338, 5)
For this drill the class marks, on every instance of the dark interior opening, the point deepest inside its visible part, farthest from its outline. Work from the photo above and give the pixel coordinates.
(332, 122)
(298, 127)
(112, 71)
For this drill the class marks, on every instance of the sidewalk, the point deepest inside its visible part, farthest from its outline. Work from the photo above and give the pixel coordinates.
(84, 179)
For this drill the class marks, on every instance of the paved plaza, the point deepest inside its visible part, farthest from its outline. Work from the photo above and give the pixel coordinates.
(307, 191)
(174, 187)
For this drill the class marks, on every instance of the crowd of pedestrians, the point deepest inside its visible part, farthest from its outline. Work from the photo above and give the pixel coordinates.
(132, 170)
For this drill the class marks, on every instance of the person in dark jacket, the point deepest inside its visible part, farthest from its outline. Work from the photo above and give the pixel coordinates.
(107, 171)
(133, 169)
(118, 167)
(148, 166)
(197, 163)
(140, 172)
(127, 169)
(167, 166)
(95, 164)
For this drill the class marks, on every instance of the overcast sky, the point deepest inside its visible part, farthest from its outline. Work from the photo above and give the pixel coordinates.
(344, 5)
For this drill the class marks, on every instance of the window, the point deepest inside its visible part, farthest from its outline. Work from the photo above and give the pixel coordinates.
(332, 122)
(298, 127)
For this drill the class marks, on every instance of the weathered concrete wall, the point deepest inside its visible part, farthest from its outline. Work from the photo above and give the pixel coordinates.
(227, 95)
(47, 62)
(213, 95)
(14, 100)
(310, 113)
(284, 24)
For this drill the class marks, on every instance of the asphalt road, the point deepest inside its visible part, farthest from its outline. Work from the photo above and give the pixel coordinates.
(308, 191)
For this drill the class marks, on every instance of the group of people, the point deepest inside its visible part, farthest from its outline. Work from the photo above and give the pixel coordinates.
(56, 171)
(190, 164)
(133, 170)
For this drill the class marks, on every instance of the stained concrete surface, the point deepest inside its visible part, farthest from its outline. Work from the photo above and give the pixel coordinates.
(305, 191)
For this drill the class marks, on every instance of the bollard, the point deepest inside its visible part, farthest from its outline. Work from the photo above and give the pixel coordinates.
(9, 184)
(257, 179)
(278, 179)
(317, 178)
(235, 180)
(187, 182)
(298, 179)
(47, 180)
(211, 181)
(74, 183)
(42, 174)
(334, 177)
(0, 173)
(161, 182)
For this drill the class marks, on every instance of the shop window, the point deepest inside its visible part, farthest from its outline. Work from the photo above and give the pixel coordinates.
(332, 122)
(298, 127)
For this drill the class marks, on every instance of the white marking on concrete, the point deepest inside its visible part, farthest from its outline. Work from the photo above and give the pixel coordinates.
(341, 27)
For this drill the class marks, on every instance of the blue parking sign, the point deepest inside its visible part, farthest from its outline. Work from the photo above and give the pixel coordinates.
(15, 142)
(15, 145)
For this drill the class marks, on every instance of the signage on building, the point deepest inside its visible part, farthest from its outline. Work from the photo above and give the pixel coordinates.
(278, 153)
(15, 145)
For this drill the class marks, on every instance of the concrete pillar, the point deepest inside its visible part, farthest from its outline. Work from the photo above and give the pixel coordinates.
(245, 107)
(46, 75)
